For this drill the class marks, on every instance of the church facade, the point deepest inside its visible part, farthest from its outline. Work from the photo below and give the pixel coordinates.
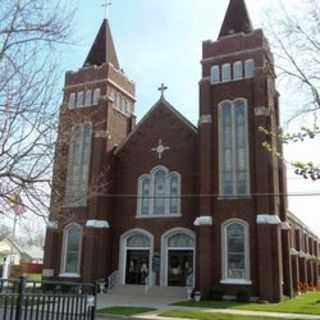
(163, 202)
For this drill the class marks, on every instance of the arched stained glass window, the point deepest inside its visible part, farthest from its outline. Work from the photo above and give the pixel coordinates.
(174, 193)
(138, 240)
(78, 166)
(72, 249)
(160, 179)
(180, 240)
(236, 247)
(234, 148)
(145, 201)
(159, 193)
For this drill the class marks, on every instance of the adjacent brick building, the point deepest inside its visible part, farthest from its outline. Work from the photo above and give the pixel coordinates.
(165, 203)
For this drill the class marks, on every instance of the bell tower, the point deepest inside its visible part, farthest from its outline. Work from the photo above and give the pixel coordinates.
(242, 180)
(100, 98)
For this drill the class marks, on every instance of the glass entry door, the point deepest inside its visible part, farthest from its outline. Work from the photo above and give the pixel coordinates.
(137, 268)
(180, 267)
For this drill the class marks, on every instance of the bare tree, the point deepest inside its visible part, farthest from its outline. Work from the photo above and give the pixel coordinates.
(30, 33)
(295, 36)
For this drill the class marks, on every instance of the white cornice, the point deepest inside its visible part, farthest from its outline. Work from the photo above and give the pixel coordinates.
(98, 224)
(203, 221)
(268, 219)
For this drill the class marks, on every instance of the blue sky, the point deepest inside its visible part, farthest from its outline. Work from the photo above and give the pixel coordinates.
(160, 41)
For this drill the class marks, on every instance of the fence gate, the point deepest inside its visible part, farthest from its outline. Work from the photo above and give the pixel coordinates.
(31, 300)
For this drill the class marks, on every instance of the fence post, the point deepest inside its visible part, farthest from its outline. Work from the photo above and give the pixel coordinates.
(20, 293)
(93, 312)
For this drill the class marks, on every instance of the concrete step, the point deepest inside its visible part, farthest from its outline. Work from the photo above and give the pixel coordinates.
(154, 291)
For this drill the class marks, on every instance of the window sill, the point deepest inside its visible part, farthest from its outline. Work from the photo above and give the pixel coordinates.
(234, 198)
(236, 282)
(230, 81)
(163, 216)
(69, 275)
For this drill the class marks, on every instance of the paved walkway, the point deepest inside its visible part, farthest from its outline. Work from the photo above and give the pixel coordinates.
(293, 316)
(112, 300)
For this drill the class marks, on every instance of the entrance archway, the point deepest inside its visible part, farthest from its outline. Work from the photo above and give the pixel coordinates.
(178, 258)
(136, 257)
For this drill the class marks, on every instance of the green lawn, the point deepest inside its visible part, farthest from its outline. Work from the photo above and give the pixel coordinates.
(208, 316)
(306, 304)
(125, 311)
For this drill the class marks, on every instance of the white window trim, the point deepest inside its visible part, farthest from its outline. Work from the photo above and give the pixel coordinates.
(224, 253)
(88, 99)
(72, 102)
(96, 96)
(225, 67)
(235, 65)
(63, 272)
(167, 213)
(215, 69)
(123, 252)
(165, 253)
(246, 73)
(220, 133)
(80, 102)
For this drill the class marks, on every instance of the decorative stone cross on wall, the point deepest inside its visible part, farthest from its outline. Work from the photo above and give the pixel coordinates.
(160, 149)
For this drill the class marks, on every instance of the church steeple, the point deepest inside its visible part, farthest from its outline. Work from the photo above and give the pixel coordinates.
(236, 20)
(103, 49)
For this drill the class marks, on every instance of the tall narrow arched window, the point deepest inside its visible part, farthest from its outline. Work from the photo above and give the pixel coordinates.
(159, 201)
(226, 72)
(174, 186)
(237, 70)
(234, 148)
(159, 193)
(96, 96)
(78, 166)
(71, 254)
(88, 100)
(235, 252)
(249, 69)
(145, 192)
(80, 99)
(72, 101)
(215, 74)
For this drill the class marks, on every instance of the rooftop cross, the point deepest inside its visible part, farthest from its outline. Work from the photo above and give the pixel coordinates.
(106, 5)
(162, 89)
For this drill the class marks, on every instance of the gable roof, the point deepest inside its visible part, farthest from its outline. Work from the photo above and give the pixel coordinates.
(236, 20)
(162, 102)
(103, 49)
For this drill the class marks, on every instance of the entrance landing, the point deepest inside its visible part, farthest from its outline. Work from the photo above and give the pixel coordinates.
(141, 296)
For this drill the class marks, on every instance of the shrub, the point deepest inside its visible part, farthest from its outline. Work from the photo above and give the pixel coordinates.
(215, 293)
(243, 295)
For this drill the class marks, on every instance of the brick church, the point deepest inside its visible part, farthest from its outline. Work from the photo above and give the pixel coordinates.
(162, 202)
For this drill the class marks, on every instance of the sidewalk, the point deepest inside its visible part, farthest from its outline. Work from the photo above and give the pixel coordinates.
(155, 315)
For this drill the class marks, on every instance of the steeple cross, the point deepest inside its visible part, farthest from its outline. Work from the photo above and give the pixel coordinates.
(106, 5)
(162, 89)
(160, 149)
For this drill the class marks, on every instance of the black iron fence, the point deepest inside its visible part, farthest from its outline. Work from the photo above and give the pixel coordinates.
(32, 300)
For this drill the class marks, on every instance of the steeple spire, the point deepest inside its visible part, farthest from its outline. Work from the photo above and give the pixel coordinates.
(236, 20)
(103, 49)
